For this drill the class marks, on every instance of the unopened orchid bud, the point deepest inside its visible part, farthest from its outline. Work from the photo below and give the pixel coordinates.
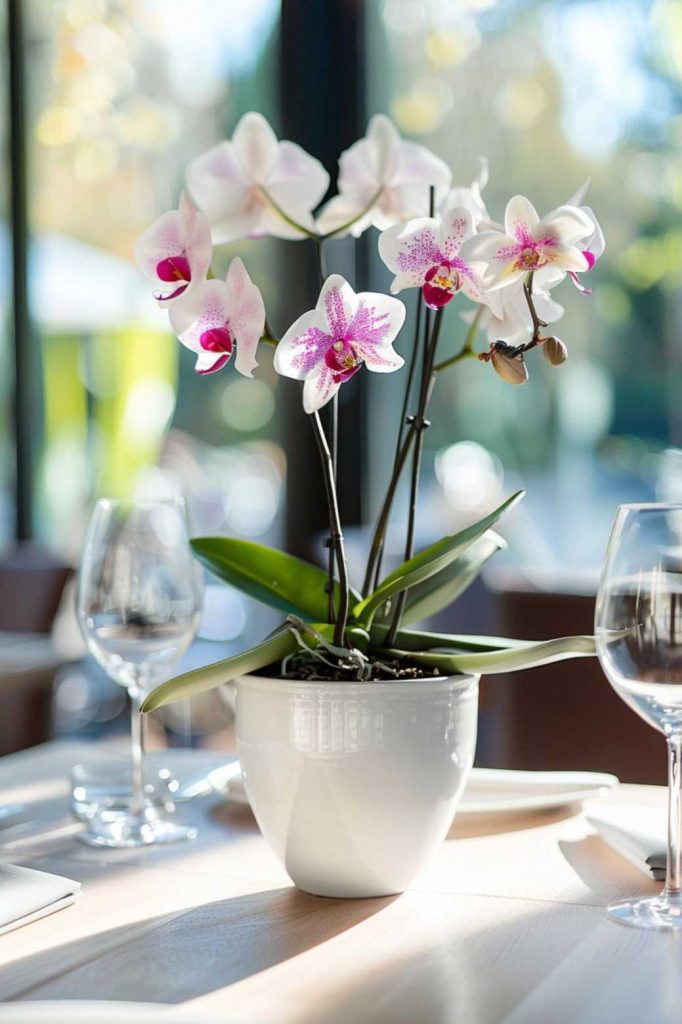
(554, 351)
(510, 367)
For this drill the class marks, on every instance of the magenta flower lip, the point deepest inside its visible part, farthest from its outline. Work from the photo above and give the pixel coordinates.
(174, 268)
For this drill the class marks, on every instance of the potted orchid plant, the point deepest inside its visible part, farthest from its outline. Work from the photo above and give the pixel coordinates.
(356, 732)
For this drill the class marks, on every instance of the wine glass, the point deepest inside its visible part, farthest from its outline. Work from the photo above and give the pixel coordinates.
(139, 601)
(638, 626)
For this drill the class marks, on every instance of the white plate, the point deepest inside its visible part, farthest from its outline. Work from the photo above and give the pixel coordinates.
(496, 791)
(87, 1012)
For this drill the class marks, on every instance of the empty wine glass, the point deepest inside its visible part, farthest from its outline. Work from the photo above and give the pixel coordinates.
(139, 602)
(638, 625)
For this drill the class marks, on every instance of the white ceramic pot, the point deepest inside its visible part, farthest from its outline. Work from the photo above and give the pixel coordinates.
(354, 785)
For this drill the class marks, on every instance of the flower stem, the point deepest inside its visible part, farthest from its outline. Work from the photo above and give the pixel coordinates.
(421, 424)
(286, 218)
(355, 219)
(467, 349)
(335, 541)
(382, 520)
(403, 419)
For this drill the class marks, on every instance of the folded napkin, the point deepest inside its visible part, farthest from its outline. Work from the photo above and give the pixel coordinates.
(637, 833)
(27, 895)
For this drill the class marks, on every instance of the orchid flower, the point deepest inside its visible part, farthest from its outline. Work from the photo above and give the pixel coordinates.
(175, 251)
(424, 253)
(254, 185)
(530, 244)
(382, 180)
(216, 316)
(328, 345)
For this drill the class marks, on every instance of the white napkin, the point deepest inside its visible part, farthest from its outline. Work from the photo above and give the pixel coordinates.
(27, 895)
(637, 833)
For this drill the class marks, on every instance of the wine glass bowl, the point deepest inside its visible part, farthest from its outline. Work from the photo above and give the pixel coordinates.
(638, 628)
(139, 603)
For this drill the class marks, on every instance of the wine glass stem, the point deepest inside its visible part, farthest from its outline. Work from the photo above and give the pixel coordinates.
(137, 748)
(673, 882)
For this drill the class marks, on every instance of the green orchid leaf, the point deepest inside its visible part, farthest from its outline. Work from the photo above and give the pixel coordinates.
(440, 590)
(493, 662)
(209, 677)
(427, 563)
(273, 577)
(422, 640)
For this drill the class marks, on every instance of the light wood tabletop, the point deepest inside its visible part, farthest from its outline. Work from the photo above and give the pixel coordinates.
(507, 924)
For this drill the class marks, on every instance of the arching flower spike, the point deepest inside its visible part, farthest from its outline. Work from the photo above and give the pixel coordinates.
(254, 185)
(328, 345)
(218, 316)
(175, 251)
(529, 243)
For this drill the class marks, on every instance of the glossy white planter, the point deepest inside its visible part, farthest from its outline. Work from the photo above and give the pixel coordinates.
(354, 785)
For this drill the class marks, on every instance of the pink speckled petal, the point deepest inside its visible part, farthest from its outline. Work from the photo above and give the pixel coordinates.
(411, 248)
(302, 349)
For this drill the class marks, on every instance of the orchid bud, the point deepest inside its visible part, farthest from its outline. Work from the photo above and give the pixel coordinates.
(511, 368)
(554, 351)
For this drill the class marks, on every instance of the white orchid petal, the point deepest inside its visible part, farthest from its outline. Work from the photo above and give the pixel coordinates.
(163, 238)
(596, 243)
(384, 146)
(546, 308)
(578, 198)
(456, 226)
(505, 277)
(214, 173)
(568, 224)
(417, 163)
(204, 308)
(571, 259)
(519, 216)
(484, 247)
(319, 389)
(409, 279)
(247, 316)
(255, 146)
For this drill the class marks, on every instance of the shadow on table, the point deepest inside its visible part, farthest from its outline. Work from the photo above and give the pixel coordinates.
(189, 953)
(604, 871)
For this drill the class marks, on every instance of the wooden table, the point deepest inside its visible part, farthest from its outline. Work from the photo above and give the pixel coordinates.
(507, 925)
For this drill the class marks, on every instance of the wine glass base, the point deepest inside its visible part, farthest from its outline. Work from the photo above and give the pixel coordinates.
(662, 913)
(117, 830)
